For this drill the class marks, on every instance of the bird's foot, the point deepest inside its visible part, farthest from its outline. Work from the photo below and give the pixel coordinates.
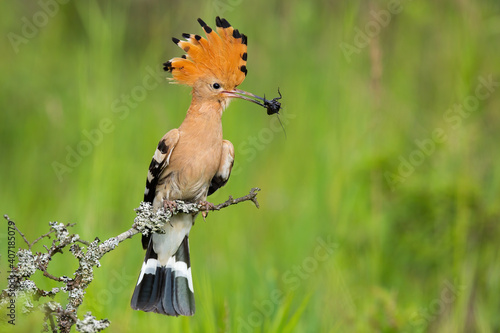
(169, 205)
(206, 206)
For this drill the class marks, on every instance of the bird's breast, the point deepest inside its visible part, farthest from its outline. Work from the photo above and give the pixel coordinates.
(191, 169)
(196, 157)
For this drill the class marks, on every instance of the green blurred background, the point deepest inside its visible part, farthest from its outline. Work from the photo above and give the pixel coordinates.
(380, 163)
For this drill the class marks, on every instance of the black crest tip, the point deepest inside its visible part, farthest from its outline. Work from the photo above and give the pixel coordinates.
(175, 40)
(204, 26)
(236, 33)
(218, 22)
(225, 23)
(244, 56)
(167, 67)
(207, 29)
(186, 35)
(244, 39)
(197, 37)
(201, 22)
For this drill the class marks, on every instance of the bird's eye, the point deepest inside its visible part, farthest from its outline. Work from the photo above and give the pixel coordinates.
(216, 85)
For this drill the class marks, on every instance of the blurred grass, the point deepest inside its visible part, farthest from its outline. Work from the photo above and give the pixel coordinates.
(348, 123)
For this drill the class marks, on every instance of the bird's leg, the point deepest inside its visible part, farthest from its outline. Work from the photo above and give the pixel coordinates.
(169, 206)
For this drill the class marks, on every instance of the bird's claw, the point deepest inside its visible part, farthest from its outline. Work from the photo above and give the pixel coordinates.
(169, 205)
(206, 206)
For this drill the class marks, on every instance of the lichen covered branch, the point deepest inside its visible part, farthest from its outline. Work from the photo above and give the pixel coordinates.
(59, 317)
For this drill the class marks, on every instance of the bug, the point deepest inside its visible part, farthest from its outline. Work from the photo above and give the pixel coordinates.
(273, 106)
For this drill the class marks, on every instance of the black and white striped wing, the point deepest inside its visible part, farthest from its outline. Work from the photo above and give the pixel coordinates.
(226, 165)
(159, 162)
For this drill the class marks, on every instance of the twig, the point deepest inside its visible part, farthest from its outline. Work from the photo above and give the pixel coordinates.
(252, 196)
(84, 242)
(127, 234)
(149, 219)
(48, 235)
(19, 231)
(50, 276)
(41, 237)
(52, 323)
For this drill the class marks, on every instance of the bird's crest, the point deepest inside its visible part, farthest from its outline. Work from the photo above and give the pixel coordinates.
(222, 54)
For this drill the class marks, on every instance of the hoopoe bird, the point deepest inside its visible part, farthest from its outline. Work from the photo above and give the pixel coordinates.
(190, 162)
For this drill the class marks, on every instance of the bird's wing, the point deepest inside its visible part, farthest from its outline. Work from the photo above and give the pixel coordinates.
(226, 165)
(159, 162)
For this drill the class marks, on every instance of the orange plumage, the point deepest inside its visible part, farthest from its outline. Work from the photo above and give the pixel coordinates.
(222, 55)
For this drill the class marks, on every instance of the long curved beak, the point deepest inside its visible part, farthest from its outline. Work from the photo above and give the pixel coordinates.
(237, 93)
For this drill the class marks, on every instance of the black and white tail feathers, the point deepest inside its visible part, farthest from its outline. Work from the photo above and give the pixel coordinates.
(165, 289)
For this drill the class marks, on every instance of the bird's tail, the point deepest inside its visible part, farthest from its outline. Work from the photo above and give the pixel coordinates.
(165, 289)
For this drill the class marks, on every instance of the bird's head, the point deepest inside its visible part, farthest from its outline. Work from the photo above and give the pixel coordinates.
(213, 66)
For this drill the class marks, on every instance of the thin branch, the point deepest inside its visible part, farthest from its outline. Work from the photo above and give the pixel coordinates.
(252, 196)
(52, 323)
(41, 237)
(48, 235)
(50, 276)
(84, 242)
(19, 231)
(127, 234)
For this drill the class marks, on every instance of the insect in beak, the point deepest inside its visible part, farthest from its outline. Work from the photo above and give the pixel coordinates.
(272, 106)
